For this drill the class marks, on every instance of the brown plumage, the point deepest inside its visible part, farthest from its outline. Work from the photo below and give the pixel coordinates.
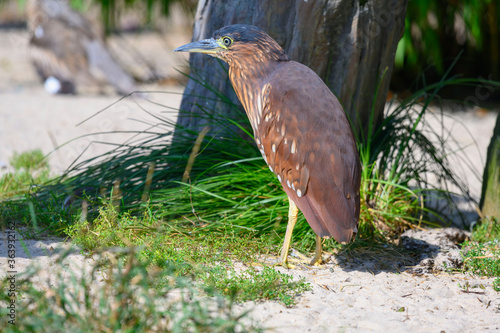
(299, 127)
(65, 48)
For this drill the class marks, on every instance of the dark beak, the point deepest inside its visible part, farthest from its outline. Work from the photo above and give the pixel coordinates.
(209, 46)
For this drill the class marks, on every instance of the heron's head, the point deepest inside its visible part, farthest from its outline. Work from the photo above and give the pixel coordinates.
(239, 45)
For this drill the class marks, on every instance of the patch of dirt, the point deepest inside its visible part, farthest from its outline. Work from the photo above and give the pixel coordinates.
(437, 249)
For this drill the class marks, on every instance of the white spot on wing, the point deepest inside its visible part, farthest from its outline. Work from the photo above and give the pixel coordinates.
(279, 178)
(273, 147)
(292, 149)
(299, 193)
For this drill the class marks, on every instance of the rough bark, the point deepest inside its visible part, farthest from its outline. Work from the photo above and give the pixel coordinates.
(490, 196)
(350, 44)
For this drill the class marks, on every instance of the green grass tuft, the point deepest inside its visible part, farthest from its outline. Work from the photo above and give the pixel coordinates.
(30, 168)
(208, 257)
(482, 258)
(496, 284)
(122, 293)
(254, 285)
(482, 254)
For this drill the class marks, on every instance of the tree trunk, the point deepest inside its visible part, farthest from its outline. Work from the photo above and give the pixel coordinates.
(350, 44)
(490, 196)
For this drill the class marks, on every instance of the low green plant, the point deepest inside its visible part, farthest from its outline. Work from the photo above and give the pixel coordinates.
(482, 258)
(482, 253)
(487, 231)
(256, 285)
(122, 293)
(30, 168)
(188, 251)
(496, 284)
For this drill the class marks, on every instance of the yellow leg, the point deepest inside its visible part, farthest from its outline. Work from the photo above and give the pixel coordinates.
(317, 260)
(293, 211)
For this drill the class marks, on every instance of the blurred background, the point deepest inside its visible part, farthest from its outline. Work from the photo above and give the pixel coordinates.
(436, 34)
(139, 34)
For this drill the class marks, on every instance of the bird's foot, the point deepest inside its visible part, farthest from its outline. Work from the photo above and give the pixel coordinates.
(298, 258)
(316, 261)
(284, 263)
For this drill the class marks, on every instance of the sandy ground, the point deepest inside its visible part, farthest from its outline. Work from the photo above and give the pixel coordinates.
(365, 295)
(30, 118)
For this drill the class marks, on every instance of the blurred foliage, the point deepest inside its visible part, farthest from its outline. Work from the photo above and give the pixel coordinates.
(436, 32)
(112, 9)
(28, 168)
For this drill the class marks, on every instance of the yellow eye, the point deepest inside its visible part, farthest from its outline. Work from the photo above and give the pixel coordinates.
(227, 41)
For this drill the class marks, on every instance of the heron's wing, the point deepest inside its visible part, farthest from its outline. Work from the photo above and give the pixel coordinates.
(308, 142)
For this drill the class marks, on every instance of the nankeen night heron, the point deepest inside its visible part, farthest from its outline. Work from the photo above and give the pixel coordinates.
(299, 127)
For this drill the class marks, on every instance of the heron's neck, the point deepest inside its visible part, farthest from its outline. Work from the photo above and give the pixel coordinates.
(248, 83)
